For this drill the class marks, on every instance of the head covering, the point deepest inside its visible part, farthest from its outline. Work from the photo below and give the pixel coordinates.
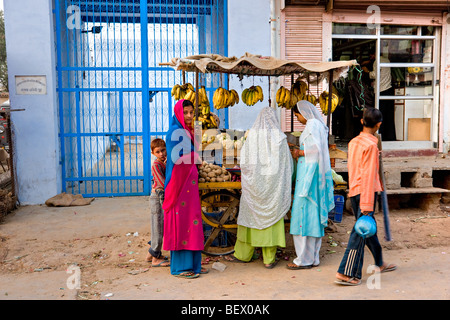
(317, 129)
(266, 173)
(179, 140)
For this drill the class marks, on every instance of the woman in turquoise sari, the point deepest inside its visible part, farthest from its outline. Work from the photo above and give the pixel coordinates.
(313, 196)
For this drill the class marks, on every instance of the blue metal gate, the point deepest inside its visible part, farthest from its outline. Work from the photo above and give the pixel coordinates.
(113, 95)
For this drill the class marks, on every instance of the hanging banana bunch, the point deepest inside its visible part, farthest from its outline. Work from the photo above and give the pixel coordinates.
(224, 98)
(252, 95)
(310, 98)
(205, 116)
(323, 102)
(336, 92)
(208, 121)
(181, 91)
(298, 91)
(299, 88)
(283, 98)
(203, 96)
(190, 95)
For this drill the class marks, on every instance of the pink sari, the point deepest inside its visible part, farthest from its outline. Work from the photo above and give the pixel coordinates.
(183, 228)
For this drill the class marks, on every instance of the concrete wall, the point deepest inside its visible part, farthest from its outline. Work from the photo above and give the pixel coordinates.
(248, 31)
(30, 46)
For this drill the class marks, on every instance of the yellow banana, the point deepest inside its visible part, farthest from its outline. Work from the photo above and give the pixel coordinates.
(260, 93)
(287, 97)
(236, 96)
(277, 97)
(282, 95)
(311, 98)
(245, 96)
(187, 95)
(223, 97)
(190, 96)
(303, 87)
(216, 97)
(213, 122)
(174, 89)
(230, 98)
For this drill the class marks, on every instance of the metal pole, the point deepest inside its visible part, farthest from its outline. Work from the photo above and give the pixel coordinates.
(145, 94)
(196, 95)
(270, 97)
(292, 112)
(330, 89)
(11, 154)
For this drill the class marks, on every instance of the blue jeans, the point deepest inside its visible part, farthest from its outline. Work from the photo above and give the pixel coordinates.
(156, 202)
(352, 262)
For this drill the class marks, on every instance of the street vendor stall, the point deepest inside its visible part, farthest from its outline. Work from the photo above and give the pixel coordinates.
(219, 184)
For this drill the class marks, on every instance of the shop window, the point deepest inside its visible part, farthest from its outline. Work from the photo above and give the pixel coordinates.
(408, 89)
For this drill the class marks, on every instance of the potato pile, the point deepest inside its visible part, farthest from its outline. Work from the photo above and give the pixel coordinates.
(209, 172)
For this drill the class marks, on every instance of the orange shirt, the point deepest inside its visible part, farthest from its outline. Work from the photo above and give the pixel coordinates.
(363, 169)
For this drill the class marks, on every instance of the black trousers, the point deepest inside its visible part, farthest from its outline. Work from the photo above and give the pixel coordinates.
(352, 262)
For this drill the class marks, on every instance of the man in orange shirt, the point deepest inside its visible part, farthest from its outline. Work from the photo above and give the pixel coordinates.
(364, 183)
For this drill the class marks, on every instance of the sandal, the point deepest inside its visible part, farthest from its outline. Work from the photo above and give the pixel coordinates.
(349, 282)
(163, 263)
(187, 275)
(232, 258)
(204, 271)
(389, 267)
(272, 265)
(293, 266)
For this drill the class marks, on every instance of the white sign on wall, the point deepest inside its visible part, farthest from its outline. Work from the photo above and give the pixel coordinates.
(31, 85)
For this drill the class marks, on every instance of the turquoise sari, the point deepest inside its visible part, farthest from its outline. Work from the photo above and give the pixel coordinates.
(309, 213)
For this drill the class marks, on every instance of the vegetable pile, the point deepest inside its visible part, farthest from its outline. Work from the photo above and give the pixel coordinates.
(209, 172)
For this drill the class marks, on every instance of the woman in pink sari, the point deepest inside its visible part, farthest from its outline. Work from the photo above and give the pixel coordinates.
(183, 229)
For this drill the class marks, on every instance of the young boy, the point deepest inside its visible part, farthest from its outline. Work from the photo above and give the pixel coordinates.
(364, 183)
(158, 147)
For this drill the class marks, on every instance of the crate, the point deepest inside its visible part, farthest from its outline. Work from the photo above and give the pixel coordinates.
(335, 215)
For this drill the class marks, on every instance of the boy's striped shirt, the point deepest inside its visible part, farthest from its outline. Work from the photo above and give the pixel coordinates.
(159, 174)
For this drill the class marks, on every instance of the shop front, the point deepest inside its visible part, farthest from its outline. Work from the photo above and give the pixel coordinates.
(401, 53)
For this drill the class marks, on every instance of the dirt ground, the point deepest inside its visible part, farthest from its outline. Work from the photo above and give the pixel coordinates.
(107, 240)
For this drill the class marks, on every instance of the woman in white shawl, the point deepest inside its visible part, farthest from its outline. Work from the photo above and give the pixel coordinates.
(266, 178)
(313, 196)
